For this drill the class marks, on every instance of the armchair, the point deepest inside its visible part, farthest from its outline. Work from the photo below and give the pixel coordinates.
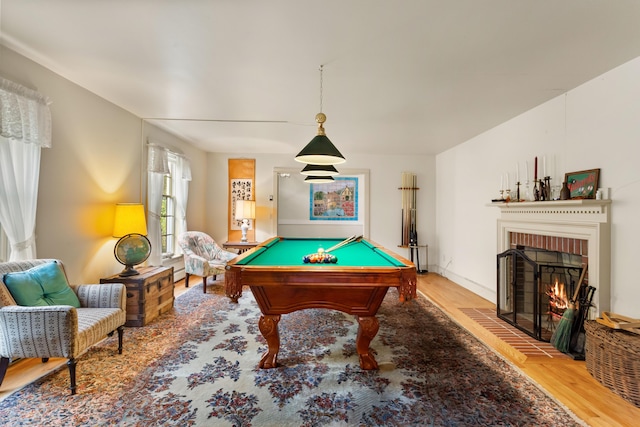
(46, 331)
(202, 256)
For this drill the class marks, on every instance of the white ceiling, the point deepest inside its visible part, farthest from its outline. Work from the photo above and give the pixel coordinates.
(400, 76)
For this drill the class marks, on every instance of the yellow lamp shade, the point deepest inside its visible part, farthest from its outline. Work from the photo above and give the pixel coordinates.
(245, 209)
(129, 219)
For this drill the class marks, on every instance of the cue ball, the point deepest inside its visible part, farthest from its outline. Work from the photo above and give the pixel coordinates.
(320, 250)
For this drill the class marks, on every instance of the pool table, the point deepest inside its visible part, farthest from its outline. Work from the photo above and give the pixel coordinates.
(356, 284)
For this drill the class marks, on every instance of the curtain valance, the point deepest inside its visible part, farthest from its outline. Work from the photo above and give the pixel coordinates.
(158, 159)
(24, 114)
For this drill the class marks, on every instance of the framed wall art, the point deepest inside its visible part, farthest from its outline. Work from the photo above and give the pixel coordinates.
(241, 187)
(334, 201)
(583, 184)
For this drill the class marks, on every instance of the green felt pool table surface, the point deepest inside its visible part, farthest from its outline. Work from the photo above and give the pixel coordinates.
(290, 252)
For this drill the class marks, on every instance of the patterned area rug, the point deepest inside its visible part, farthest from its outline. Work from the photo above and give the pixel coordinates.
(198, 366)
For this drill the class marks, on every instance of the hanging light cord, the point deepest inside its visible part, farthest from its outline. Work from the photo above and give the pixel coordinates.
(320, 117)
(321, 87)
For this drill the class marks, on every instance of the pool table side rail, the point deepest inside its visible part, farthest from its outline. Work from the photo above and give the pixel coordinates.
(238, 274)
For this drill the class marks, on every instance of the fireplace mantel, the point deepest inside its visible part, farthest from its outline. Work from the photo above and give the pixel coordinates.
(588, 210)
(586, 219)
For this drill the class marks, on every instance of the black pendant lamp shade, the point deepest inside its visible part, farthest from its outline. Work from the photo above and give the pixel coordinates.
(320, 151)
(319, 170)
(318, 179)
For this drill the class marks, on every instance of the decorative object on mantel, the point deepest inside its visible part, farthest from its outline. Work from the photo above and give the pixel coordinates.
(565, 193)
(576, 185)
(541, 186)
(583, 184)
(505, 195)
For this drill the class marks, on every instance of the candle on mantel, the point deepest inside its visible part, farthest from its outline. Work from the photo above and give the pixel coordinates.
(535, 169)
(501, 182)
(517, 172)
(526, 170)
(507, 180)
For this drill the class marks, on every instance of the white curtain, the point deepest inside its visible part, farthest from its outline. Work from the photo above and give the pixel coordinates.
(157, 167)
(183, 176)
(25, 127)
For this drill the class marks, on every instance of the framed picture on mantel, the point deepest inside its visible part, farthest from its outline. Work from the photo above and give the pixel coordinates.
(583, 184)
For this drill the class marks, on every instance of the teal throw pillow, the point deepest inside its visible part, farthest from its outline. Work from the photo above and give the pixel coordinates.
(41, 285)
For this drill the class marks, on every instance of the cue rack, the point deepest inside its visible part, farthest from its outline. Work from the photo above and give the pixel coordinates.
(409, 230)
(409, 192)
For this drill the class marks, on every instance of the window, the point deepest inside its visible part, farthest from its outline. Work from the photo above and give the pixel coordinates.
(168, 210)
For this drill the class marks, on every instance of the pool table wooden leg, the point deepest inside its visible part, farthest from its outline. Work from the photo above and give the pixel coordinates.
(268, 325)
(367, 330)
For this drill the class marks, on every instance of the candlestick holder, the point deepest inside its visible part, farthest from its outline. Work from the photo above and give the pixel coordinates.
(507, 195)
(536, 190)
(518, 192)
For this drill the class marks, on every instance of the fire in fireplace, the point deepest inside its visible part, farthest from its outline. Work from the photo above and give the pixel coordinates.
(558, 298)
(534, 286)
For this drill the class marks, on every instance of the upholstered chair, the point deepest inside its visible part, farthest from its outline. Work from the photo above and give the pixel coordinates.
(62, 321)
(202, 256)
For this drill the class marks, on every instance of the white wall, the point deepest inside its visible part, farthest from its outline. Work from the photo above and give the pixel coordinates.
(385, 197)
(293, 196)
(596, 125)
(97, 159)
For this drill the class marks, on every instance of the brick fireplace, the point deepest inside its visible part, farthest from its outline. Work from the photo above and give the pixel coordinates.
(574, 233)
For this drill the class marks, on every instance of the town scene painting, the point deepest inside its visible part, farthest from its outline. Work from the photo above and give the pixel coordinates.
(337, 200)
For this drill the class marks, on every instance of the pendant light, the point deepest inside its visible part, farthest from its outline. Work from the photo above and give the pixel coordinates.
(320, 151)
(318, 179)
(319, 170)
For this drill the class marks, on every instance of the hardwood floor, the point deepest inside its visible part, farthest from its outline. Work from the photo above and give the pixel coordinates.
(565, 379)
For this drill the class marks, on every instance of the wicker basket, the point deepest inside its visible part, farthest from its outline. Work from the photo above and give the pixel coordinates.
(613, 358)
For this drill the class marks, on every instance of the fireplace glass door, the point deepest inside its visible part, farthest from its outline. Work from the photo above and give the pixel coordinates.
(534, 288)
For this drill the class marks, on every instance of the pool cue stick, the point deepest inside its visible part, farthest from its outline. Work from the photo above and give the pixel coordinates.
(343, 243)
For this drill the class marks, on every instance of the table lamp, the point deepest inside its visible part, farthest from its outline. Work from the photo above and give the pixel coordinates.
(245, 210)
(130, 227)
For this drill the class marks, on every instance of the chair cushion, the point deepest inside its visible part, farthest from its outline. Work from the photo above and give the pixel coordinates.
(42, 285)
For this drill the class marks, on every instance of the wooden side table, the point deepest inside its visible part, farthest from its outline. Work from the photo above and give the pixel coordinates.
(240, 246)
(149, 293)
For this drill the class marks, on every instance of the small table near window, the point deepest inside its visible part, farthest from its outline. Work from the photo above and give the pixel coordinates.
(240, 246)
